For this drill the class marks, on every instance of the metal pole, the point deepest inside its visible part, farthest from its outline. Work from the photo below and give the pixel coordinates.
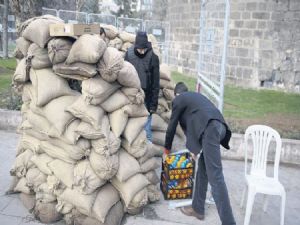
(5, 30)
(224, 57)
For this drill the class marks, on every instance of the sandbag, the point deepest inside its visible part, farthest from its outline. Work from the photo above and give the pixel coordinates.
(96, 90)
(159, 149)
(55, 112)
(162, 102)
(76, 71)
(152, 177)
(44, 194)
(115, 43)
(22, 45)
(150, 152)
(87, 131)
(83, 203)
(38, 30)
(126, 46)
(131, 187)
(70, 136)
(88, 48)
(55, 186)
(28, 200)
(31, 143)
(38, 136)
(63, 171)
(110, 31)
(106, 146)
(138, 202)
(135, 95)
(104, 166)
(166, 84)
(128, 76)
(27, 94)
(82, 146)
(134, 110)
(115, 102)
(22, 164)
(22, 187)
(158, 137)
(133, 128)
(110, 64)
(46, 212)
(21, 75)
(127, 37)
(151, 164)
(58, 49)
(138, 147)
(37, 57)
(63, 207)
(40, 123)
(166, 116)
(153, 193)
(88, 113)
(165, 72)
(118, 120)
(85, 179)
(41, 161)
(45, 78)
(35, 177)
(106, 198)
(158, 123)
(168, 94)
(128, 166)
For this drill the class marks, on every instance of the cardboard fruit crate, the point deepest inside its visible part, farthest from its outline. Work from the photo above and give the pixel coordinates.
(171, 192)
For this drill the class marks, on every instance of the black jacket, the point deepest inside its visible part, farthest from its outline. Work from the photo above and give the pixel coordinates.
(152, 89)
(193, 111)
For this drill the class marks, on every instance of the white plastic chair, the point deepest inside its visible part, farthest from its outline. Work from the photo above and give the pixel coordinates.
(257, 180)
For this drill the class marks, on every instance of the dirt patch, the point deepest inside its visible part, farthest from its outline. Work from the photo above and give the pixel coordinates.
(287, 125)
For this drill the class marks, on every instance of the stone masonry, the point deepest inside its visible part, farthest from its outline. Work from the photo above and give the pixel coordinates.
(263, 45)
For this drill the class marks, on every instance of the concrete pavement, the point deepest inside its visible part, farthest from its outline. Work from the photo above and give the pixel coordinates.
(12, 212)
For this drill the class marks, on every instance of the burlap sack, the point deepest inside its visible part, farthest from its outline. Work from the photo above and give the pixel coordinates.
(96, 90)
(151, 152)
(139, 146)
(166, 84)
(70, 136)
(151, 164)
(38, 30)
(135, 95)
(46, 212)
(58, 49)
(106, 146)
(153, 193)
(35, 177)
(128, 166)
(87, 131)
(128, 76)
(88, 113)
(104, 166)
(22, 187)
(166, 116)
(44, 194)
(165, 72)
(118, 120)
(21, 75)
(158, 137)
(115, 43)
(134, 110)
(37, 135)
(81, 146)
(110, 64)
(27, 94)
(158, 124)
(106, 198)
(31, 143)
(131, 187)
(22, 164)
(133, 128)
(40, 123)
(83, 203)
(168, 94)
(41, 161)
(110, 31)
(88, 48)
(126, 46)
(28, 200)
(45, 78)
(163, 103)
(63, 171)
(38, 57)
(55, 185)
(138, 202)
(115, 102)
(76, 71)
(64, 207)
(152, 177)
(56, 114)
(85, 179)
(127, 37)
(22, 45)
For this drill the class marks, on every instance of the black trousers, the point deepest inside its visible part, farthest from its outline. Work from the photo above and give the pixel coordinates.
(210, 170)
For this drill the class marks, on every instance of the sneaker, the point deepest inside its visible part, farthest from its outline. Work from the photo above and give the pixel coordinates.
(189, 211)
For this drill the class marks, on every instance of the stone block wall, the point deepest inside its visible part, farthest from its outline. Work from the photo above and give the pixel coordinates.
(263, 46)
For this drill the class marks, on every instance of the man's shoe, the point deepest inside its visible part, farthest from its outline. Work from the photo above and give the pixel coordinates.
(189, 211)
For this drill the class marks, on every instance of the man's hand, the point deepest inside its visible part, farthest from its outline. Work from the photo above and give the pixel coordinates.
(165, 154)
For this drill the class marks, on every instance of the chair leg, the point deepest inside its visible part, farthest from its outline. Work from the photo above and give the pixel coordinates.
(266, 199)
(250, 201)
(283, 196)
(243, 197)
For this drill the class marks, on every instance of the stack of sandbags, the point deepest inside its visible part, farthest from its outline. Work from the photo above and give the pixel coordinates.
(83, 154)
